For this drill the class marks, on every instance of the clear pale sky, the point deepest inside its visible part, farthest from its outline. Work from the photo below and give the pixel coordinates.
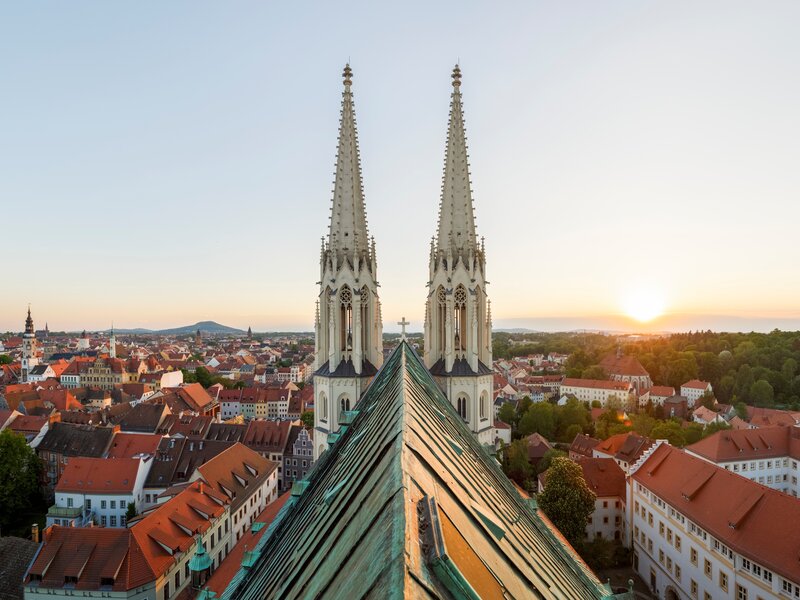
(164, 163)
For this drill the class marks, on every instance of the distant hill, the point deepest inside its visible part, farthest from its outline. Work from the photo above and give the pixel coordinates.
(211, 327)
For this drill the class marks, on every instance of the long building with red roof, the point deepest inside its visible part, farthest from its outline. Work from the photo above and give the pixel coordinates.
(701, 531)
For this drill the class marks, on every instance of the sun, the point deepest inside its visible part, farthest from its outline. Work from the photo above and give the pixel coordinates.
(644, 304)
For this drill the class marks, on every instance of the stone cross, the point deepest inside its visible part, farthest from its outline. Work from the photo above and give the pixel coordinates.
(403, 324)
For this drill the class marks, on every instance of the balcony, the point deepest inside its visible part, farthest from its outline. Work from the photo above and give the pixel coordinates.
(82, 517)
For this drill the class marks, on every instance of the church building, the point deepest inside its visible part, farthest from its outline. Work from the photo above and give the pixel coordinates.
(348, 325)
(458, 321)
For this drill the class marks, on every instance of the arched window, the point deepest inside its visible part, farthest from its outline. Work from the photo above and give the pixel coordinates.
(344, 402)
(441, 317)
(323, 406)
(365, 319)
(346, 319)
(460, 319)
(484, 405)
(461, 406)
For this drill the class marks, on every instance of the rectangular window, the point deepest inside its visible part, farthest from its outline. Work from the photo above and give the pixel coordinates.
(693, 588)
(707, 568)
(113, 504)
(741, 592)
(678, 543)
(69, 502)
(113, 520)
(88, 504)
(693, 556)
(723, 581)
(102, 504)
(677, 571)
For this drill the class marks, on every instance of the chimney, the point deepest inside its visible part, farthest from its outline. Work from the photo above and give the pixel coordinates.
(201, 487)
(35, 532)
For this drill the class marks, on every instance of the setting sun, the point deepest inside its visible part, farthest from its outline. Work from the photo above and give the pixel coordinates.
(644, 304)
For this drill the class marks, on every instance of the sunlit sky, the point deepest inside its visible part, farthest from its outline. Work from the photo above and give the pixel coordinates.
(163, 163)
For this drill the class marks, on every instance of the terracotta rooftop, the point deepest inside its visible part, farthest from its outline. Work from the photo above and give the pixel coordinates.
(662, 390)
(623, 365)
(755, 521)
(746, 444)
(583, 444)
(94, 556)
(696, 384)
(236, 472)
(601, 384)
(227, 569)
(604, 477)
(99, 475)
(128, 445)
(627, 447)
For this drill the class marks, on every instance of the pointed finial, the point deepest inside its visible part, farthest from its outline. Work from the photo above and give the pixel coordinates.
(456, 76)
(347, 74)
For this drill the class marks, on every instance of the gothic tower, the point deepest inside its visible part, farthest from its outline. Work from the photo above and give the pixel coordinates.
(348, 326)
(458, 322)
(29, 354)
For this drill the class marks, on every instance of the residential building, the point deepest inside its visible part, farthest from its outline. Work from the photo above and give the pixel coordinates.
(694, 390)
(700, 531)
(624, 448)
(597, 390)
(767, 455)
(98, 490)
(64, 441)
(298, 457)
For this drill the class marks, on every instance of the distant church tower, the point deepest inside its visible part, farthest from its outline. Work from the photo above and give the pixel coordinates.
(458, 321)
(29, 357)
(112, 344)
(348, 326)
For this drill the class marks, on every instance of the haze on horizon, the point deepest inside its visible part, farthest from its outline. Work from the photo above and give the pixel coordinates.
(167, 164)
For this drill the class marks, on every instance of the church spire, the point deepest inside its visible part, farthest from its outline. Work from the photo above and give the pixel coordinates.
(456, 230)
(348, 231)
(29, 322)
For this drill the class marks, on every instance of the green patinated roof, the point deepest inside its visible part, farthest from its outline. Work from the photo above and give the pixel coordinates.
(353, 531)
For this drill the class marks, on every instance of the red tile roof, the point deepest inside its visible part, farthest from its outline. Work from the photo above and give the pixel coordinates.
(128, 445)
(602, 384)
(623, 365)
(747, 444)
(236, 472)
(227, 569)
(696, 384)
(755, 521)
(604, 477)
(99, 475)
(165, 526)
(114, 556)
(662, 390)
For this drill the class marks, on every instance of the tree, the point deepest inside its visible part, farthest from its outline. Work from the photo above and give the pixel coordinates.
(761, 393)
(712, 428)
(708, 400)
(507, 414)
(307, 418)
(19, 476)
(131, 512)
(594, 372)
(571, 432)
(573, 413)
(670, 431)
(789, 368)
(5, 359)
(517, 466)
(643, 423)
(567, 500)
(547, 459)
(540, 418)
(741, 410)
(693, 433)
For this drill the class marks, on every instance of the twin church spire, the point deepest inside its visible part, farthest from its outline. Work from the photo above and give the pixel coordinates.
(348, 320)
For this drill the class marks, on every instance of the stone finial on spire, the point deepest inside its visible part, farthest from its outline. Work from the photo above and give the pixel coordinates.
(347, 75)
(456, 76)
